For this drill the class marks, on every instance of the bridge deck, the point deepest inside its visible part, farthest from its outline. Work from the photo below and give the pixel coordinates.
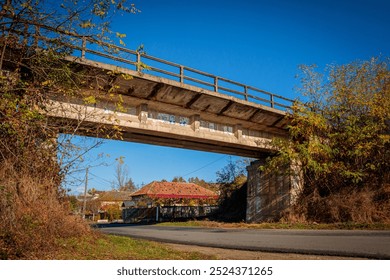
(162, 102)
(160, 111)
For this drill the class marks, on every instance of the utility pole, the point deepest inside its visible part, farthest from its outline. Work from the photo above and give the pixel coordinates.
(85, 192)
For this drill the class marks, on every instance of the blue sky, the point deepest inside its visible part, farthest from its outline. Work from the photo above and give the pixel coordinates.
(259, 43)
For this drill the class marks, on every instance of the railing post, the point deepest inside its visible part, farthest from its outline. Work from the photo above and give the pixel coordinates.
(246, 92)
(138, 61)
(83, 47)
(272, 101)
(216, 84)
(181, 74)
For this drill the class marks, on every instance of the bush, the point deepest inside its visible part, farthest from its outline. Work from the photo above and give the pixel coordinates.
(33, 217)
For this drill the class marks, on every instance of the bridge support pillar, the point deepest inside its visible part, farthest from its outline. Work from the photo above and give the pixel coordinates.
(270, 194)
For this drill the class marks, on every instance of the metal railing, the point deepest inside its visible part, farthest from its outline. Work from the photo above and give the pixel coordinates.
(92, 49)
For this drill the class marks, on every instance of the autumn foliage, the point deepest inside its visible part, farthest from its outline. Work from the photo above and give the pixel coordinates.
(340, 139)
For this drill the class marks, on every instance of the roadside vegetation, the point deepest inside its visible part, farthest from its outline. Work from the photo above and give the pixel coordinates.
(34, 206)
(339, 145)
(111, 247)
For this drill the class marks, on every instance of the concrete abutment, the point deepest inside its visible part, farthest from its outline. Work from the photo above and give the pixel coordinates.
(270, 194)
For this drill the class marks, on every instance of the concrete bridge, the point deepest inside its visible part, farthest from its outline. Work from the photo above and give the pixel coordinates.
(158, 102)
(168, 104)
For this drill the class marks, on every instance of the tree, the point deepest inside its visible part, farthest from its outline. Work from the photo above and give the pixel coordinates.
(232, 191)
(129, 186)
(121, 173)
(229, 173)
(200, 182)
(231, 177)
(340, 140)
(123, 181)
(178, 179)
(35, 39)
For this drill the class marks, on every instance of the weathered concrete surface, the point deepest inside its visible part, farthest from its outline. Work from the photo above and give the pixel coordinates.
(160, 111)
(269, 194)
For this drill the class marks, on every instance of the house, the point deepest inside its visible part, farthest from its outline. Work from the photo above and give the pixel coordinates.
(173, 193)
(167, 201)
(111, 204)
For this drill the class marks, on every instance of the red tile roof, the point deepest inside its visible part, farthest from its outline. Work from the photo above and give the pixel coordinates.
(175, 190)
(115, 196)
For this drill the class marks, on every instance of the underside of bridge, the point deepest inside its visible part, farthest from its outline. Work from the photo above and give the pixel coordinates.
(159, 111)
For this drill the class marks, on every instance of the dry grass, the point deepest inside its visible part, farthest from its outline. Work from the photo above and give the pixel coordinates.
(362, 207)
(33, 216)
(110, 247)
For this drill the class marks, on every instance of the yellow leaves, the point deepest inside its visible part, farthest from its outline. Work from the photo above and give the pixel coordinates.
(113, 88)
(121, 160)
(119, 105)
(120, 35)
(141, 66)
(47, 83)
(113, 72)
(90, 100)
(385, 138)
(27, 6)
(116, 72)
(126, 77)
(87, 24)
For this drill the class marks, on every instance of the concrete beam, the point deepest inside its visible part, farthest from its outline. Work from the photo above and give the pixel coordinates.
(141, 128)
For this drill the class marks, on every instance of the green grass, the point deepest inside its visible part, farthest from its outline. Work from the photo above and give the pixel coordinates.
(110, 247)
(347, 226)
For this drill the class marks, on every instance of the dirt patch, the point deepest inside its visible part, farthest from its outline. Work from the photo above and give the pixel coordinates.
(228, 254)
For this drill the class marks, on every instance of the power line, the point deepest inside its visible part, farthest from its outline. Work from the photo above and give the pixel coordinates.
(205, 166)
(100, 177)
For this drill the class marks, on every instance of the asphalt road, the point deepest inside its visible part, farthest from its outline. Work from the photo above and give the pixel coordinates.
(348, 243)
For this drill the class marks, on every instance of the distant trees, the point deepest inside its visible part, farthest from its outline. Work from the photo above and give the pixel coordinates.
(200, 182)
(340, 140)
(178, 179)
(129, 186)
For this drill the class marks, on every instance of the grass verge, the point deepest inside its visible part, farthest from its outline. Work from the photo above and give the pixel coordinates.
(213, 224)
(110, 247)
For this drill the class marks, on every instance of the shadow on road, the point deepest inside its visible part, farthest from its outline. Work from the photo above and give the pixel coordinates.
(114, 225)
